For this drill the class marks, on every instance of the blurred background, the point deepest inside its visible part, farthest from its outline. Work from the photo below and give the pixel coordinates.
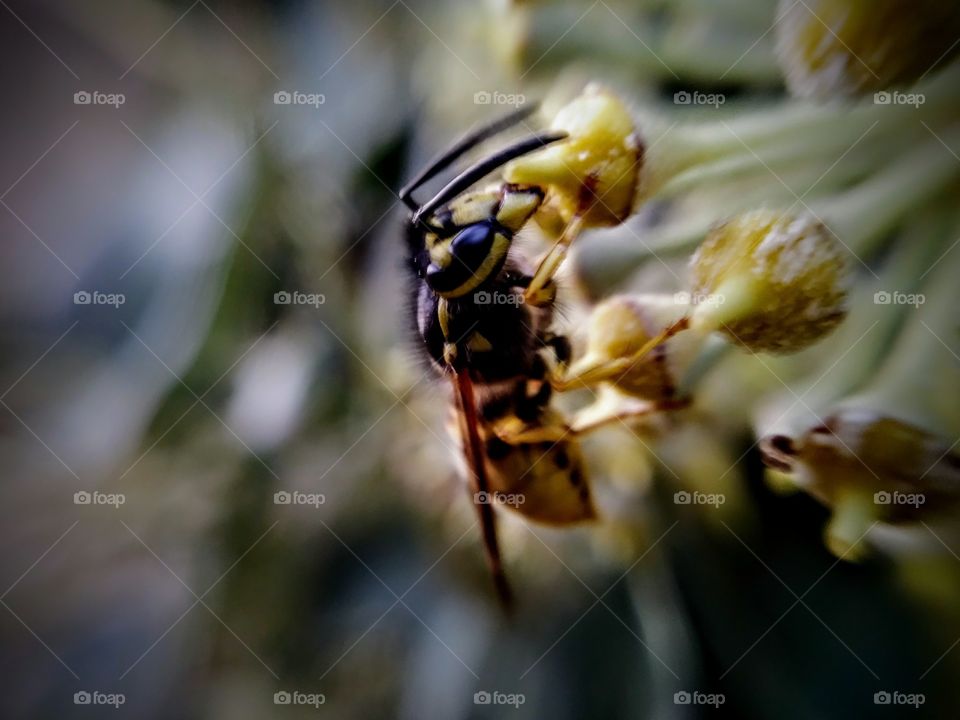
(229, 486)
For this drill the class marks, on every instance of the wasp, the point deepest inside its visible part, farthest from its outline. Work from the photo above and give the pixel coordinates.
(484, 317)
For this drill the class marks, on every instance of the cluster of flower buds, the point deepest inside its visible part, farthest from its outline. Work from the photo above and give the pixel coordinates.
(887, 452)
(871, 435)
(769, 281)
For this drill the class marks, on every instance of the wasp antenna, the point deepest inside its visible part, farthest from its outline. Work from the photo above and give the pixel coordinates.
(464, 144)
(476, 172)
(475, 454)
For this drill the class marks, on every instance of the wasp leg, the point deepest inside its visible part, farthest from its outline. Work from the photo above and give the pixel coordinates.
(553, 259)
(544, 297)
(592, 418)
(609, 370)
(555, 356)
(514, 431)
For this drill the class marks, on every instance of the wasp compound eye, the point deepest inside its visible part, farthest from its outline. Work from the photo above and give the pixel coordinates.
(476, 253)
(472, 245)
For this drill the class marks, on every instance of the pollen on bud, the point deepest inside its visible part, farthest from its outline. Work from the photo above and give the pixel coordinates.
(593, 173)
(775, 282)
(835, 48)
(619, 327)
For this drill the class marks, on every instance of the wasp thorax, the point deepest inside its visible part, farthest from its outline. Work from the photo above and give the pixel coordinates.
(831, 48)
(593, 173)
(619, 328)
(773, 282)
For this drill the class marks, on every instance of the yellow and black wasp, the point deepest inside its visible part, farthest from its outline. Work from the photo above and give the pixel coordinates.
(481, 324)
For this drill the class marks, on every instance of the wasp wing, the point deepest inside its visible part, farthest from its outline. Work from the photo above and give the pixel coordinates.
(473, 449)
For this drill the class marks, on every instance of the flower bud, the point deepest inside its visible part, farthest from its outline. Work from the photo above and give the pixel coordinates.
(830, 48)
(619, 327)
(869, 467)
(776, 283)
(593, 173)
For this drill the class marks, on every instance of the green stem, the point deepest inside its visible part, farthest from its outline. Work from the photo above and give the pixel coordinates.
(853, 513)
(918, 382)
(792, 130)
(864, 215)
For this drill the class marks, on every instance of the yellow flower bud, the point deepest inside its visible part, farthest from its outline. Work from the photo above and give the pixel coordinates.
(593, 173)
(830, 48)
(869, 467)
(619, 327)
(770, 282)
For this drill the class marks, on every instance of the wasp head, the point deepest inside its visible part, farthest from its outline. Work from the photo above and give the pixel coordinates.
(467, 241)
